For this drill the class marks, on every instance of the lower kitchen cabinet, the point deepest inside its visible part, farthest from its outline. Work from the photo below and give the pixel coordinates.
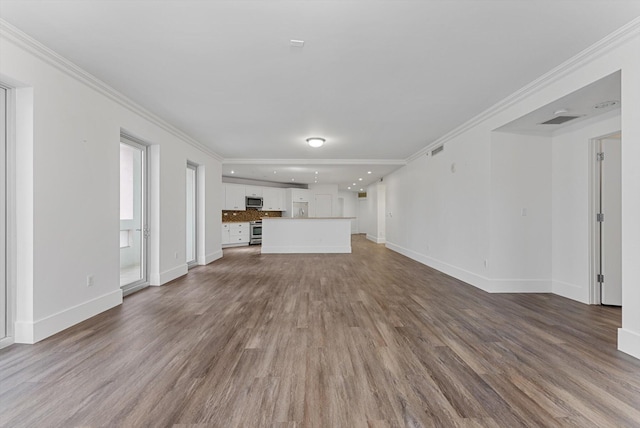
(235, 234)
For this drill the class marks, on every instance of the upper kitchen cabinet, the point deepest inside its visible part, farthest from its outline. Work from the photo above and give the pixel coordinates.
(299, 195)
(234, 197)
(272, 199)
(253, 191)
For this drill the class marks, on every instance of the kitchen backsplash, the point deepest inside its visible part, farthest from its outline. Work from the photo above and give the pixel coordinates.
(248, 215)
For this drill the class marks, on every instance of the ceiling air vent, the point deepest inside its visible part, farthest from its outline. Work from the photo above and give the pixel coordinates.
(559, 119)
(437, 150)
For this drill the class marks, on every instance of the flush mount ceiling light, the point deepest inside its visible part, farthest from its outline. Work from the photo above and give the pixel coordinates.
(315, 142)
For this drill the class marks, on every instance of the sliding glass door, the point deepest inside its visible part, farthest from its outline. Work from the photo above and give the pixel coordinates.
(192, 214)
(133, 216)
(3, 217)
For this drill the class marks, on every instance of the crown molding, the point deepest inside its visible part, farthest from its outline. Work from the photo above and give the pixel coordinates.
(28, 43)
(613, 40)
(236, 161)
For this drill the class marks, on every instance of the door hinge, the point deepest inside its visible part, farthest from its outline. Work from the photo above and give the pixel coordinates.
(600, 278)
(146, 232)
(600, 156)
(600, 217)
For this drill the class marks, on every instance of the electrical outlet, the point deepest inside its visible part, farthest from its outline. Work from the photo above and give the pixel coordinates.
(89, 280)
(486, 264)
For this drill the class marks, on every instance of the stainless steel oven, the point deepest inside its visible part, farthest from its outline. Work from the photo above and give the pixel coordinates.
(255, 232)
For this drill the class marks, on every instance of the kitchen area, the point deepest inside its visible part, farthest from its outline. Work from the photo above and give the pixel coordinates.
(279, 219)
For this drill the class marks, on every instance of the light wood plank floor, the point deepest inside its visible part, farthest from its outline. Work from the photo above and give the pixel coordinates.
(368, 339)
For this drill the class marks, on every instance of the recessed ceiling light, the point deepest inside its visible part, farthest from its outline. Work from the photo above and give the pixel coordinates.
(348, 187)
(368, 172)
(354, 184)
(315, 142)
(293, 179)
(233, 172)
(297, 43)
(275, 172)
(362, 190)
(316, 172)
(561, 111)
(360, 179)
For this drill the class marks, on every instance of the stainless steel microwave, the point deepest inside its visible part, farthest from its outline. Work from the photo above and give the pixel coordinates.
(254, 202)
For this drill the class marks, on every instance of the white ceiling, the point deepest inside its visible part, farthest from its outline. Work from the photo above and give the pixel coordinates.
(378, 79)
(581, 103)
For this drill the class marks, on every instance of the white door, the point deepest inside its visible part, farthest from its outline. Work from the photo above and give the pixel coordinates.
(3, 222)
(610, 223)
(324, 206)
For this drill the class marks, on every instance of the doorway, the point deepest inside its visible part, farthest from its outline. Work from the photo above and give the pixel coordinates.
(607, 213)
(134, 230)
(192, 215)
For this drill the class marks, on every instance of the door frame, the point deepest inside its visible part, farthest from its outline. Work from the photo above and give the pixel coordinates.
(595, 296)
(10, 216)
(144, 147)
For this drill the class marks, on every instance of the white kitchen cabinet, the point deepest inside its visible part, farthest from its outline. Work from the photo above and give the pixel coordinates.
(273, 199)
(235, 234)
(254, 191)
(234, 197)
(299, 195)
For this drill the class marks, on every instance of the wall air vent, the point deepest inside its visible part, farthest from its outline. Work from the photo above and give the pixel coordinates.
(362, 195)
(437, 150)
(559, 119)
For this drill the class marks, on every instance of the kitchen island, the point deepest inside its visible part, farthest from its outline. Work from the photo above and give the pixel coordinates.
(306, 235)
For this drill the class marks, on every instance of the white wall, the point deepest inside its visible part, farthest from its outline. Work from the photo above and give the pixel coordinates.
(350, 208)
(322, 189)
(571, 160)
(67, 178)
(520, 253)
(455, 219)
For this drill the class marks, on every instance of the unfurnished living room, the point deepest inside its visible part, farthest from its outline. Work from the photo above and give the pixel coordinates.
(320, 213)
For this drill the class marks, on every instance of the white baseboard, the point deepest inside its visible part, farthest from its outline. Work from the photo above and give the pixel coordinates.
(570, 291)
(375, 239)
(476, 280)
(212, 257)
(32, 332)
(271, 249)
(519, 285)
(171, 274)
(629, 342)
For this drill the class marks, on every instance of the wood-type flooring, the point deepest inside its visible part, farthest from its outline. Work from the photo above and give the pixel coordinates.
(369, 339)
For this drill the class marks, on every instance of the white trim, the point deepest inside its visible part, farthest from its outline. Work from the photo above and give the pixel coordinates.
(375, 239)
(568, 290)
(520, 285)
(213, 257)
(629, 342)
(590, 54)
(28, 332)
(171, 274)
(230, 161)
(42, 52)
(471, 278)
(286, 249)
